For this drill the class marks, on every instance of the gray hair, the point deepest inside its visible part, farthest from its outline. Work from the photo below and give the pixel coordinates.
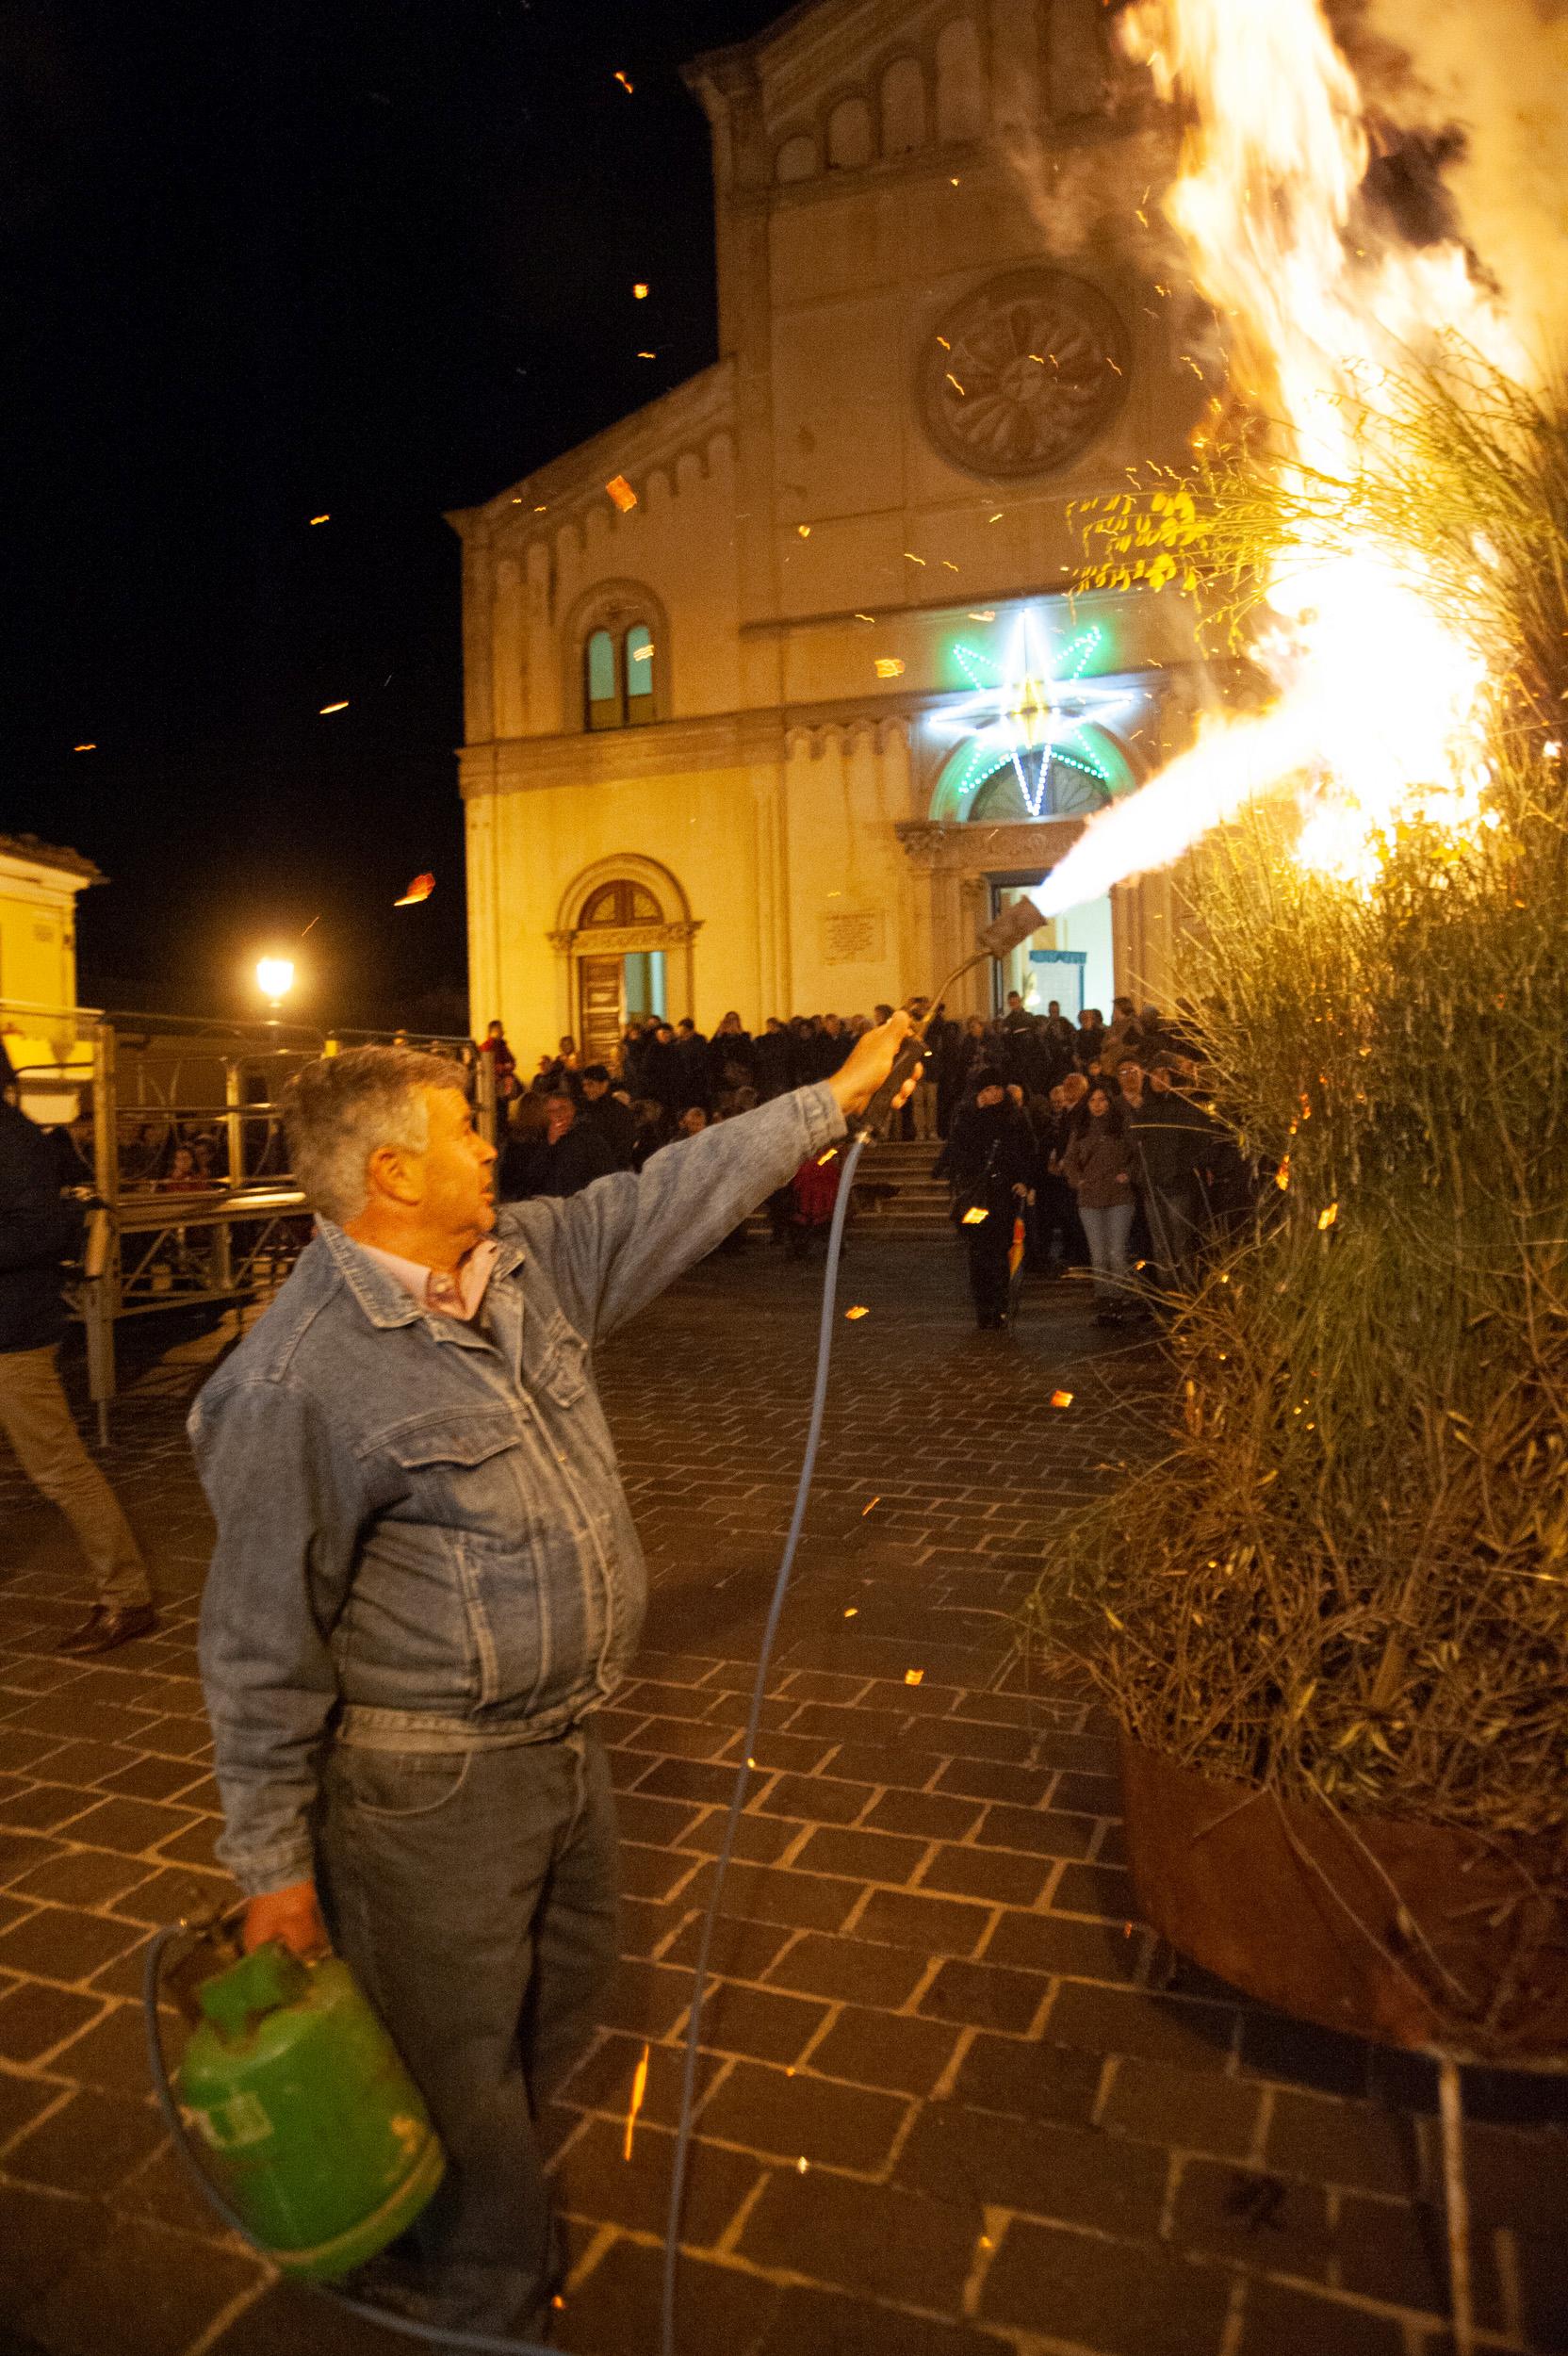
(340, 1110)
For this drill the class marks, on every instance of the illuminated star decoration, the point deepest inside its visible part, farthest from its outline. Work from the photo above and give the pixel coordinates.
(1031, 710)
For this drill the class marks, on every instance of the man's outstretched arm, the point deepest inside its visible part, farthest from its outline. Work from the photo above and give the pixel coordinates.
(614, 1248)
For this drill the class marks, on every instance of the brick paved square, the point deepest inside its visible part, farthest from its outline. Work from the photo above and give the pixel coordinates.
(984, 1996)
(1124, 2299)
(795, 2115)
(1038, 2169)
(1032, 2081)
(850, 1969)
(867, 2238)
(926, 1923)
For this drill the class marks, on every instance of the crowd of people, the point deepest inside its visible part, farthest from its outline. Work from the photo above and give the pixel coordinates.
(1066, 1145)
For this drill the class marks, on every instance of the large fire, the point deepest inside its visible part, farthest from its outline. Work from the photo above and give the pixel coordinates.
(1376, 718)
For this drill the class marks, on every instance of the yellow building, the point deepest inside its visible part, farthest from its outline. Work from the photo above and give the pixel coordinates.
(772, 691)
(38, 922)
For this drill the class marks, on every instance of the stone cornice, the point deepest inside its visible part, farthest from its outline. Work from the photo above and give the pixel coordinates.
(966, 849)
(685, 418)
(615, 941)
(28, 851)
(724, 740)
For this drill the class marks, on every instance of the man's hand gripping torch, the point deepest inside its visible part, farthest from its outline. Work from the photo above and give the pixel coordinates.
(1004, 933)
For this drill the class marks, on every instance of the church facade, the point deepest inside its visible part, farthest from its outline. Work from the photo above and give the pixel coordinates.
(775, 691)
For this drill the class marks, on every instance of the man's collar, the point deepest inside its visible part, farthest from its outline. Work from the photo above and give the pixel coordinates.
(378, 1293)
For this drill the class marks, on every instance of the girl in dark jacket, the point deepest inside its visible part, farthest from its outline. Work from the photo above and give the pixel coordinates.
(1098, 1167)
(731, 1058)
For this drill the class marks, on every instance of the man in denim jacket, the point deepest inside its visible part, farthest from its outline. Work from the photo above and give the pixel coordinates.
(426, 1581)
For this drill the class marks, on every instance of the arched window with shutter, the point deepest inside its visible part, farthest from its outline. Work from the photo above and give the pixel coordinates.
(602, 681)
(617, 645)
(639, 674)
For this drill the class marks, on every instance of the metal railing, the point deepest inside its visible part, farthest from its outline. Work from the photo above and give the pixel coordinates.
(134, 1090)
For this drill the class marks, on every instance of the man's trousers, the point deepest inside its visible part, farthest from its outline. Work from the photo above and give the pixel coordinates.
(36, 1419)
(474, 1894)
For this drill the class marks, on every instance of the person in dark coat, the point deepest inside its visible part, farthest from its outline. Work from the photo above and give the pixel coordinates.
(989, 1159)
(40, 1229)
(661, 1070)
(1171, 1142)
(635, 1039)
(1059, 1034)
(1062, 1236)
(731, 1059)
(833, 1046)
(653, 1127)
(575, 1153)
(691, 1064)
(605, 1114)
(521, 1166)
(1090, 1039)
(772, 1055)
(942, 1036)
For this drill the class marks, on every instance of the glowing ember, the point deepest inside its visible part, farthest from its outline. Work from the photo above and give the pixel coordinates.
(622, 493)
(1061, 1399)
(857, 1313)
(889, 666)
(421, 889)
(340, 707)
(1379, 700)
(639, 2088)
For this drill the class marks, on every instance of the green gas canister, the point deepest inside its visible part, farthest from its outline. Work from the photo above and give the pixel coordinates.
(320, 2142)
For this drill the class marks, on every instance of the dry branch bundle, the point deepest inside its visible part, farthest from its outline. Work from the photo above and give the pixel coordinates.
(1350, 1576)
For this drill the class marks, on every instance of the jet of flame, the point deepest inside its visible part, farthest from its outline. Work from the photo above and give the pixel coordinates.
(1376, 719)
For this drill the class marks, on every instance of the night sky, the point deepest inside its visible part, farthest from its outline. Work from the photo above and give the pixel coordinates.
(262, 261)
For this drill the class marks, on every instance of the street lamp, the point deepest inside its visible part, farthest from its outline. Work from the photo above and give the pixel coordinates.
(275, 979)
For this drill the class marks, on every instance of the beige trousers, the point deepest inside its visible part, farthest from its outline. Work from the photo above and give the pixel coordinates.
(36, 1419)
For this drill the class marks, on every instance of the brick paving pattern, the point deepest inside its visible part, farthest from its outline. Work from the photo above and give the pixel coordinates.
(955, 2100)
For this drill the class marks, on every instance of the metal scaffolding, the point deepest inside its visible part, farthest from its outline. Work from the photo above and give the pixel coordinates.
(153, 1084)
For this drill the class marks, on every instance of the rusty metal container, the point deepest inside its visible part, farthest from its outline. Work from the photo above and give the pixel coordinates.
(1411, 1933)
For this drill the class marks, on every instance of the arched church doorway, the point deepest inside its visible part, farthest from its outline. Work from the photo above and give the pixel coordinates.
(616, 985)
(629, 946)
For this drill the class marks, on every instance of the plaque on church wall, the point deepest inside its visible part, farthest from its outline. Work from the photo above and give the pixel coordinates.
(1025, 374)
(854, 936)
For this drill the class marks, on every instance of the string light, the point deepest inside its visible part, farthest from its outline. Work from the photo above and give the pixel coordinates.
(1030, 709)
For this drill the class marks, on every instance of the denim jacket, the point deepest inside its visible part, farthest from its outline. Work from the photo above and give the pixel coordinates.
(423, 1542)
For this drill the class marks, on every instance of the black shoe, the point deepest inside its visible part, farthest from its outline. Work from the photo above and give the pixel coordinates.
(108, 1625)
